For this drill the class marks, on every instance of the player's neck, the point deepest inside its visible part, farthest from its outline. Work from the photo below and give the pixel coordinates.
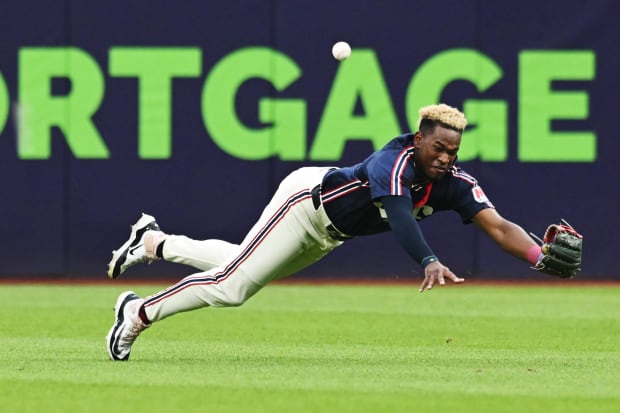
(420, 177)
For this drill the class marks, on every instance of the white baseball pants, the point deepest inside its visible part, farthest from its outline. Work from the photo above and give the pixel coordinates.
(289, 235)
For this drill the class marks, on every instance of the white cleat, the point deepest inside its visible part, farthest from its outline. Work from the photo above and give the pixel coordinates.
(140, 247)
(127, 326)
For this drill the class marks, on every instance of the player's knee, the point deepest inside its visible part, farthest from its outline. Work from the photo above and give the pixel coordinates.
(233, 299)
(234, 294)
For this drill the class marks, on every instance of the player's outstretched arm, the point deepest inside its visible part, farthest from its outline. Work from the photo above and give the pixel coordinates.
(560, 252)
(509, 236)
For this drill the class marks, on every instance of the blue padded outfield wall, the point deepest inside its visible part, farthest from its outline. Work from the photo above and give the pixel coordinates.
(193, 111)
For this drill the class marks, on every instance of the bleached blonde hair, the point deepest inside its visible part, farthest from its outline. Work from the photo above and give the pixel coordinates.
(444, 114)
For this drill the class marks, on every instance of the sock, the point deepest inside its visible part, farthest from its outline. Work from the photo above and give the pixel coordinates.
(159, 251)
(142, 315)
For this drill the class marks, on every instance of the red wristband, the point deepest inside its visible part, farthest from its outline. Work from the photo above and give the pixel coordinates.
(533, 253)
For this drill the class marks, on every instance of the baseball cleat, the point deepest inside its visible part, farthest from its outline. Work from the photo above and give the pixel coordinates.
(127, 326)
(140, 247)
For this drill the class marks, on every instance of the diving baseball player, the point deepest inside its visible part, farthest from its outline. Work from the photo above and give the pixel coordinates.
(316, 209)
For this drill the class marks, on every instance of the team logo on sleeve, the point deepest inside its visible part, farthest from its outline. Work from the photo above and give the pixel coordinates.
(479, 194)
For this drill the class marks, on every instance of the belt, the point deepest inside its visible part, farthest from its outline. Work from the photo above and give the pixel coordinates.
(333, 232)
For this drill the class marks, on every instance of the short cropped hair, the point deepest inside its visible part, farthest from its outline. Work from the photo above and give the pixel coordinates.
(442, 114)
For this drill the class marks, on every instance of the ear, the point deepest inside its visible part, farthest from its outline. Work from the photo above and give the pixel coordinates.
(417, 139)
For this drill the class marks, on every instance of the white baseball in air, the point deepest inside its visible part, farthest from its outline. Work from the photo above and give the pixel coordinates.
(341, 50)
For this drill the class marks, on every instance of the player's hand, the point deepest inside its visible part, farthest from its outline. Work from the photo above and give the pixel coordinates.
(436, 272)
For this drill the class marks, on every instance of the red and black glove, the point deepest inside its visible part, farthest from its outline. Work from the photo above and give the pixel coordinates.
(561, 251)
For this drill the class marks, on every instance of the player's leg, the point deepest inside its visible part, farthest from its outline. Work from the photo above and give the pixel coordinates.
(144, 244)
(289, 234)
(234, 290)
(285, 239)
(203, 255)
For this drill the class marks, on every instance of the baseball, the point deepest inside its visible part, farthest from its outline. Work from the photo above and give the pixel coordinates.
(341, 50)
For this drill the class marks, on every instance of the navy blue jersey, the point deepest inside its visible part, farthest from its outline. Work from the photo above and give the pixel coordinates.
(350, 195)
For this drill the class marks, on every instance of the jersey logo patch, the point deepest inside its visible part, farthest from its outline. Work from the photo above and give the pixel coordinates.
(422, 212)
(479, 194)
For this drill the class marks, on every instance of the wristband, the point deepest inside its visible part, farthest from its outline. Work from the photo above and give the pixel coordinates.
(533, 254)
(427, 260)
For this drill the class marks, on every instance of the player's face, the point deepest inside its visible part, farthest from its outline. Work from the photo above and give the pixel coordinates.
(436, 151)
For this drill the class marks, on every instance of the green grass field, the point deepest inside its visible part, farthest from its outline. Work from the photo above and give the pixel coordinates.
(329, 348)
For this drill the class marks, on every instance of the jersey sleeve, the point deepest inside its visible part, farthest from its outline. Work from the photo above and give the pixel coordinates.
(390, 173)
(470, 199)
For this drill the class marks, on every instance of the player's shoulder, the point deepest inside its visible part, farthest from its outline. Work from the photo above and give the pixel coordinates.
(465, 186)
(398, 147)
(461, 176)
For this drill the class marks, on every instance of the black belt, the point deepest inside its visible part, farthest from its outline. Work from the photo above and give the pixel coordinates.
(333, 232)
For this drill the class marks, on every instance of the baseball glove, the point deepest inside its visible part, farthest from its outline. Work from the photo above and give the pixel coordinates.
(561, 251)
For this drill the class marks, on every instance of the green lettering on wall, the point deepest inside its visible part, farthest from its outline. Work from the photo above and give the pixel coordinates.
(39, 110)
(155, 67)
(436, 73)
(358, 78)
(285, 133)
(5, 103)
(539, 105)
(488, 137)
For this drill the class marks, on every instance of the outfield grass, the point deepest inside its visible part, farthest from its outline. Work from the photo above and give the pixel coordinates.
(319, 349)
